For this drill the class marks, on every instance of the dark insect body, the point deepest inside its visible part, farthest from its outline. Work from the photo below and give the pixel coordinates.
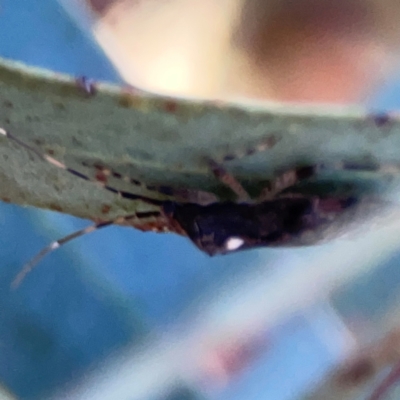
(224, 227)
(277, 218)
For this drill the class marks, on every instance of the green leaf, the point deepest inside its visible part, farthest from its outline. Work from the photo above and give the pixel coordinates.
(166, 141)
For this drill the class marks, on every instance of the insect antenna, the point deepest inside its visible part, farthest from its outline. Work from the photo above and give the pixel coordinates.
(56, 244)
(59, 164)
(28, 267)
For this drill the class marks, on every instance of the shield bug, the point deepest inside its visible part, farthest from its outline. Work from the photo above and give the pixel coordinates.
(277, 218)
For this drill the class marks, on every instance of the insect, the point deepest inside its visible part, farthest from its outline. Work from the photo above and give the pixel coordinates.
(277, 218)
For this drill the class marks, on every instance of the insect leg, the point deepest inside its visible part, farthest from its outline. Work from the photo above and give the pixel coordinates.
(286, 180)
(229, 180)
(58, 243)
(262, 145)
(277, 184)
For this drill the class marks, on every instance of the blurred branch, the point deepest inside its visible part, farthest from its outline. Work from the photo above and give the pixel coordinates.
(362, 372)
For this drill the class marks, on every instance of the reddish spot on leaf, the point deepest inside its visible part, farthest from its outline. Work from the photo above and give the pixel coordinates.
(55, 207)
(105, 209)
(170, 106)
(101, 177)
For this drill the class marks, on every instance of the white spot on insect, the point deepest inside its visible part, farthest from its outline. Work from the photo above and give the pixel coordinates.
(234, 243)
(54, 245)
(3, 132)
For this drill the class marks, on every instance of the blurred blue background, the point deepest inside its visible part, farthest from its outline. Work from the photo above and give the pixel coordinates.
(110, 289)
